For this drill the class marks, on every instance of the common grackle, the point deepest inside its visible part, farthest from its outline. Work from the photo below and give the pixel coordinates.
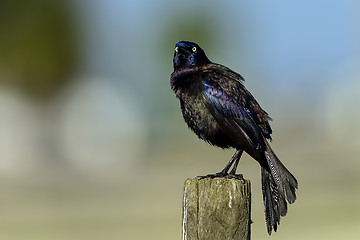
(221, 111)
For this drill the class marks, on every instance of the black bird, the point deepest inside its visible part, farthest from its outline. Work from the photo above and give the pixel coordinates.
(219, 110)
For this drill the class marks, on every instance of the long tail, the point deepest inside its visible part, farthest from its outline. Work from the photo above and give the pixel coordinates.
(278, 187)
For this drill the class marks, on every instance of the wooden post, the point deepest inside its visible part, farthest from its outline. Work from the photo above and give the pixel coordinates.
(217, 208)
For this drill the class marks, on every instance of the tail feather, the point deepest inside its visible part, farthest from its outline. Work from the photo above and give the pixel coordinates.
(278, 186)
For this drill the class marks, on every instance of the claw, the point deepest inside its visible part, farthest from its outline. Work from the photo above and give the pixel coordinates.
(236, 176)
(216, 175)
(223, 175)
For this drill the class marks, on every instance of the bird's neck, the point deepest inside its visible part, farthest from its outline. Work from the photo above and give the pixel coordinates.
(180, 73)
(183, 78)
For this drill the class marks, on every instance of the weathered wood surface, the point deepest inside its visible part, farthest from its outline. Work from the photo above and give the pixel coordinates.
(217, 208)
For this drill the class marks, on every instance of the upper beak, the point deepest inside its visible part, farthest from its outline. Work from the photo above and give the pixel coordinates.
(181, 49)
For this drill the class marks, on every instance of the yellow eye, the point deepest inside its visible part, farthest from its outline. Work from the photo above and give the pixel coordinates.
(193, 49)
(176, 49)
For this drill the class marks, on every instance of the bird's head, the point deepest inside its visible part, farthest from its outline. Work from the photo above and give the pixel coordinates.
(188, 55)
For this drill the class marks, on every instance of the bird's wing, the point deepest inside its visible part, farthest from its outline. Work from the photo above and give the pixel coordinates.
(228, 102)
(231, 83)
(233, 118)
(261, 117)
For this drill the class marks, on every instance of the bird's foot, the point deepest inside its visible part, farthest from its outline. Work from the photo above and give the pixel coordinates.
(236, 176)
(223, 175)
(215, 175)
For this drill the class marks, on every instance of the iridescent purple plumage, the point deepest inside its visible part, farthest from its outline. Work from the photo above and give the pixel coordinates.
(220, 110)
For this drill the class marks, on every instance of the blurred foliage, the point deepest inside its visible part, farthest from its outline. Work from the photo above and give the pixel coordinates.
(37, 45)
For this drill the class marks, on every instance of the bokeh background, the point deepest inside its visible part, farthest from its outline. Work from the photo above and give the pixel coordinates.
(92, 141)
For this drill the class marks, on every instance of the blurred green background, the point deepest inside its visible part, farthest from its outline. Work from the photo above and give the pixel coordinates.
(92, 141)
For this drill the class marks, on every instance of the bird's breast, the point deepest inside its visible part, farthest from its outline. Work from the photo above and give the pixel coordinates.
(202, 123)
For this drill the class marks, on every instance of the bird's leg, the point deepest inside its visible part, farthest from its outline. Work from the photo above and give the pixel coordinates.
(235, 158)
(233, 170)
(232, 173)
